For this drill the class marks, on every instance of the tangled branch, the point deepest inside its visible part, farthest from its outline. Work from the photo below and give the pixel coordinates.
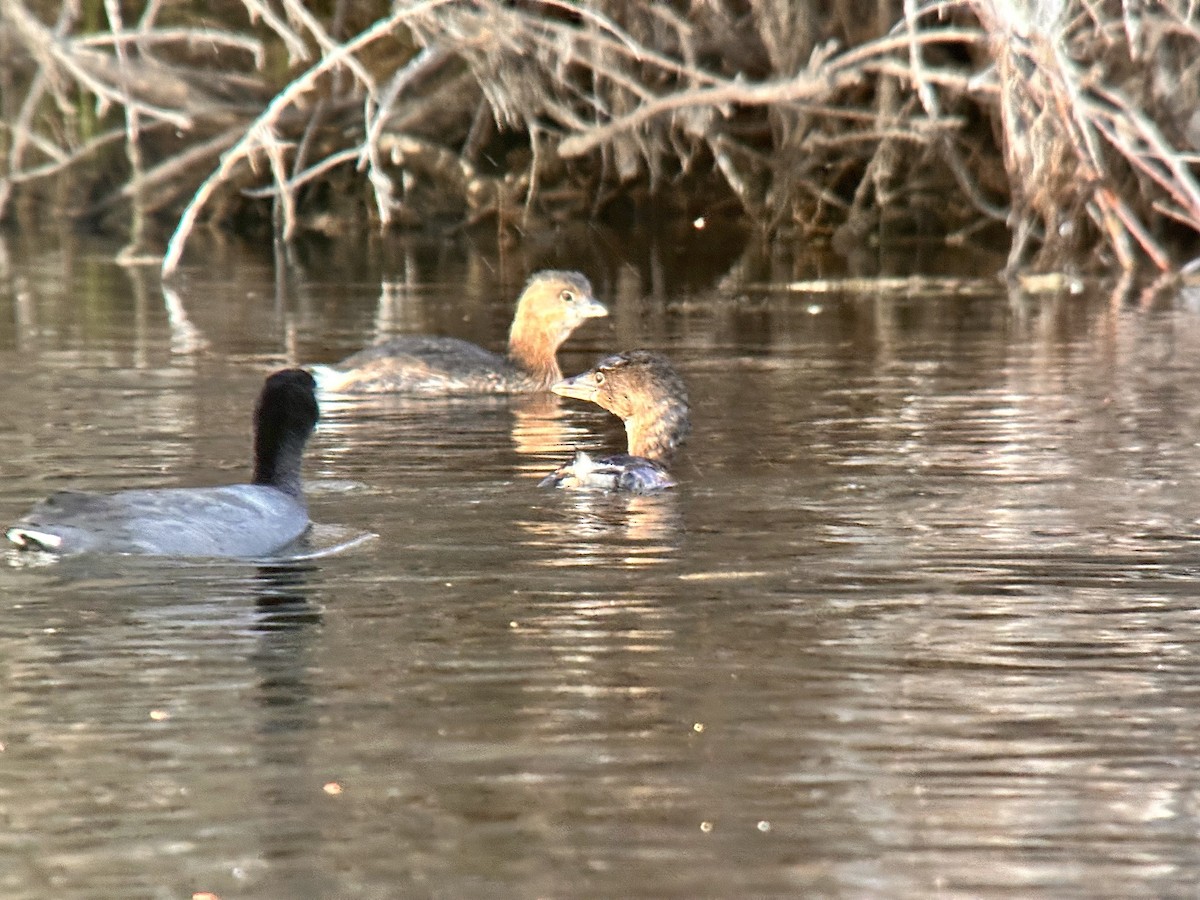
(934, 115)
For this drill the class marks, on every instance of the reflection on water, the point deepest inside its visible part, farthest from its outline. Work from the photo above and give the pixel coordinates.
(918, 620)
(543, 429)
(589, 528)
(283, 600)
(286, 693)
(185, 337)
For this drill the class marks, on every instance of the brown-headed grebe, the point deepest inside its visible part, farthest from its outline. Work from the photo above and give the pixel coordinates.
(550, 308)
(648, 395)
(239, 520)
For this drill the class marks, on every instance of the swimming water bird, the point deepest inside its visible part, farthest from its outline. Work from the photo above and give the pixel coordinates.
(240, 520)
(551, 307)
(648, 395)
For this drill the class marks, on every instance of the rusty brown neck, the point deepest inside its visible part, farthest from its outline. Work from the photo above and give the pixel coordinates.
(533, 347)
(656, 432)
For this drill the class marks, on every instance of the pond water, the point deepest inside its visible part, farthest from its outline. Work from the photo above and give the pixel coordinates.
(921, 618)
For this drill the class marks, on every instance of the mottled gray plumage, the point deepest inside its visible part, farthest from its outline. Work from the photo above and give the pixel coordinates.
(418, 364)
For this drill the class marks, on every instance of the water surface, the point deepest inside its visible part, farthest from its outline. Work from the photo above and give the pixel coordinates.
(920, 619)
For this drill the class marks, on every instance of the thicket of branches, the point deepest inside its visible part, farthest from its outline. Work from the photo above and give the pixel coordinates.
(1073, 123)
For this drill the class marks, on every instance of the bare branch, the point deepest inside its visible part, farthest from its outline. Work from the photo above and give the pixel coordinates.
(260, 132)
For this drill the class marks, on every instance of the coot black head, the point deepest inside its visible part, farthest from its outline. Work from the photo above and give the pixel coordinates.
(284, 418)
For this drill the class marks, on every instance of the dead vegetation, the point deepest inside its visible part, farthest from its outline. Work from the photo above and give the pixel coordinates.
(1072, 123)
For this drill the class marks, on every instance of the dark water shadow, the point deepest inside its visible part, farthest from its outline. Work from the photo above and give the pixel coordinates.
(289, 814)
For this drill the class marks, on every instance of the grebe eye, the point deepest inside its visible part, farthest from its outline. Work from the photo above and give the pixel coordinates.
(567, 296)
(599, 378)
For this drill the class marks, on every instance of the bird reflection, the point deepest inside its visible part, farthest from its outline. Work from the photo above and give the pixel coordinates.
(543, 430)
(285, 620)
(282, 599)
(287, 623)
(631, 530)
